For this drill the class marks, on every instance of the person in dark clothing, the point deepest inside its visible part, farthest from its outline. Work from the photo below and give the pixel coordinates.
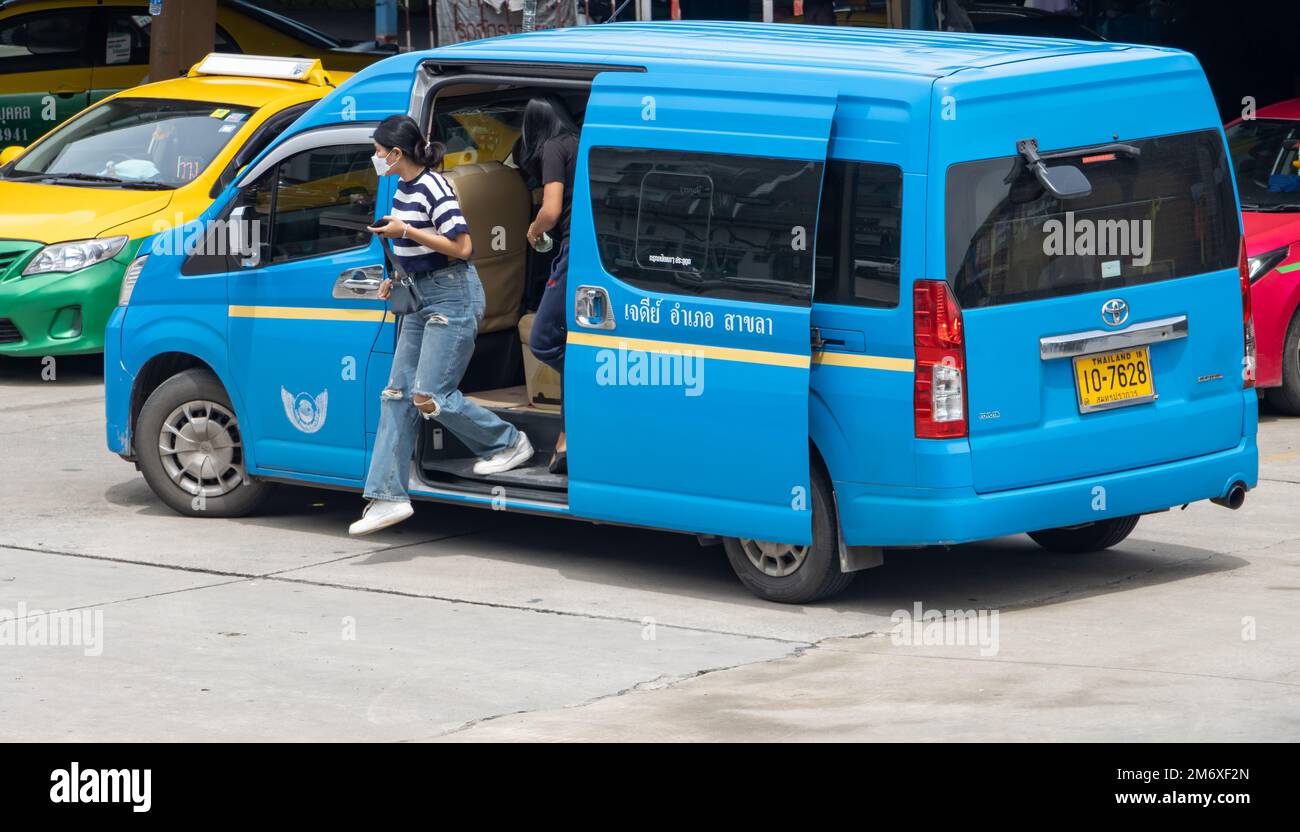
(549, 153)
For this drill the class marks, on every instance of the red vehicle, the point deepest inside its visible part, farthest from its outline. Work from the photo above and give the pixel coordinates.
(1266, 155)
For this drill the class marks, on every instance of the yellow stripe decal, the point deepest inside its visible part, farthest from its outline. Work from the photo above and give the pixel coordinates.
(870, 362)
(310, 313)
(779, 359)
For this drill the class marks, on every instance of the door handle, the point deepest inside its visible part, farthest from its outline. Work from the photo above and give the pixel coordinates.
(592, 309)
(359, 283)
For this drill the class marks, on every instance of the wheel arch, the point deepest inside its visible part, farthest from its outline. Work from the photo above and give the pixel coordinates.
(159, 369)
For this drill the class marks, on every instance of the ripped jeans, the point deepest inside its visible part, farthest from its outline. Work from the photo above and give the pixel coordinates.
(433, 349)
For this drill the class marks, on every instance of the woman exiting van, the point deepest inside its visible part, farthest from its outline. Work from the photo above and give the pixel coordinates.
(549, 153)
(431, 242)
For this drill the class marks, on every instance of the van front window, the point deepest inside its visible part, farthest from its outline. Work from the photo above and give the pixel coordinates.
(135, 142)
(1167, 212)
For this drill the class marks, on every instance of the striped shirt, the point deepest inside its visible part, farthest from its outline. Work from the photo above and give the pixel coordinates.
(427, 202)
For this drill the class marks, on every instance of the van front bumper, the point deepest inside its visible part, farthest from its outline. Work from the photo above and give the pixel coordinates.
(892, 516)
(118, 385)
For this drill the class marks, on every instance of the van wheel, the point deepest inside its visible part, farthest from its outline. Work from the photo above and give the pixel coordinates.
(791, 574)
(1090, 538)
(1287, 397)
(191, 450)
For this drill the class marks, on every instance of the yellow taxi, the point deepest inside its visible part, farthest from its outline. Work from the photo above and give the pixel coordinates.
(75, 206)
(58, 57)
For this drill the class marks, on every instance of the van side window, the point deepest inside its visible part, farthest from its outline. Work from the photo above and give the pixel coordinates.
(320, 195)
(706, 224)
(859, 235)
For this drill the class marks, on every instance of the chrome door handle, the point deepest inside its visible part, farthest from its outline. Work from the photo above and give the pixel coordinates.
(359, 283)
(592, 309)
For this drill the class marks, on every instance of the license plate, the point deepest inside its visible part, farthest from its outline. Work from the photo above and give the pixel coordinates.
(1114, 379)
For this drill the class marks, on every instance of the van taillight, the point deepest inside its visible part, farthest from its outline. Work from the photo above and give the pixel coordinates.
(939, 390)
(1247, 320)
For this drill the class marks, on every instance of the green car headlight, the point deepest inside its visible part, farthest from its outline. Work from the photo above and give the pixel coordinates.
(74, 256)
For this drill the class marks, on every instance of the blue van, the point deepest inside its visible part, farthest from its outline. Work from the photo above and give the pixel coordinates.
(833, 290)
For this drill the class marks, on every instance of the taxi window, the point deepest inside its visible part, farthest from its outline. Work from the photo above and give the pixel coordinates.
(127, 40)
(136, 142)
(706, 224)
(44, 41)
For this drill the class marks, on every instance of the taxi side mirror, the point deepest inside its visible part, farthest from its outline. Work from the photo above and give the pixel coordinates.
(10, 153)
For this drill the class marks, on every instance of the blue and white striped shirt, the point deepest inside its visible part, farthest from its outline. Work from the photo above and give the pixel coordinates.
(427, 202)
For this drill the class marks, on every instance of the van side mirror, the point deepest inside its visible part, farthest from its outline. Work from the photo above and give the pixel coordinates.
(10, 153)
(244, 237)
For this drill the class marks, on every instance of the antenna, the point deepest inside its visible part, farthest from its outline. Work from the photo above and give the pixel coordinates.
(613, 17)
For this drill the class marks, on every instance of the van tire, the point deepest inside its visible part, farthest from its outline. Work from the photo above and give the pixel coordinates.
(227, 491)
(818, 576)
(1287, 397)
(1090, 538)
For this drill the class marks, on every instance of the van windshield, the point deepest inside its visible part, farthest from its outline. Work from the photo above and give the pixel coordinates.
(1167, 212)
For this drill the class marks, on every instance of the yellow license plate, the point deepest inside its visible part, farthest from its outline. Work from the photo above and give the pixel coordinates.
(1114, 379)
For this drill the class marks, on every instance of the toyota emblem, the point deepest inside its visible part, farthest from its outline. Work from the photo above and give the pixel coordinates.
(1114, 312)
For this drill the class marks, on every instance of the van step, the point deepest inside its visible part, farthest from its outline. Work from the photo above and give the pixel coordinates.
(536, 475)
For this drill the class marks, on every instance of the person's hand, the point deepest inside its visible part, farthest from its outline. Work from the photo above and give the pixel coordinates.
(533, 234)
(390, 228)
(384, 289)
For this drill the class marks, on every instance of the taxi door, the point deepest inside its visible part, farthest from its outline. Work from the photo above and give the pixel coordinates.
(690, 286)
(304, 316)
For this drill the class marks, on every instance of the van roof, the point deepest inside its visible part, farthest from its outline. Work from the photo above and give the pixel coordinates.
(852, 48)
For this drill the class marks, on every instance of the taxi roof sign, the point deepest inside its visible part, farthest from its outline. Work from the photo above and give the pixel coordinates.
(307, 70)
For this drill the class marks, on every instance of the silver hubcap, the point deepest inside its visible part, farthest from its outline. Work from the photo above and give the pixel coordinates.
(201, 449)
(776, 560)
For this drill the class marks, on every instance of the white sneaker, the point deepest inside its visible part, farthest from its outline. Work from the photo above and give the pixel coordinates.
(507, 458)
(381, 514)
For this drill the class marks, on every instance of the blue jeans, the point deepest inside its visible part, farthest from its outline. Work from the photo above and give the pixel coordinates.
(550, 326)
(434, 346)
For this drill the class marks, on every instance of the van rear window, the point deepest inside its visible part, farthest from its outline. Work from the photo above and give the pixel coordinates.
(1169, 212)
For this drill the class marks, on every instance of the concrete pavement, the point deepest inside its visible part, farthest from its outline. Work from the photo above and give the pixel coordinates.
(466, 624)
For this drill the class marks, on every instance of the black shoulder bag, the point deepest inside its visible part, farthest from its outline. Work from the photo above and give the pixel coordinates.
(403, 297)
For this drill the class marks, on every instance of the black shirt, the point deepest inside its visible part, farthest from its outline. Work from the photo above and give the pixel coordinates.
(559, 161)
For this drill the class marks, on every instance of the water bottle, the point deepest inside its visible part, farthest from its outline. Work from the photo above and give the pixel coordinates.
(545, 244)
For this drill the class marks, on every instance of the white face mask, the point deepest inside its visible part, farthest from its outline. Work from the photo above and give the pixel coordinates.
(381, 164)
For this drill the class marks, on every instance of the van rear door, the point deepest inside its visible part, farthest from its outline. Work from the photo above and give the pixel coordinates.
(1103, 332)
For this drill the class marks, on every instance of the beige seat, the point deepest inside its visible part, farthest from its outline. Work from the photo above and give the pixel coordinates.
(495, 201)
(544, 388)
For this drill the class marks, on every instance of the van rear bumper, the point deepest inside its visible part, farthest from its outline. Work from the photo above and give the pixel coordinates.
(872, 515)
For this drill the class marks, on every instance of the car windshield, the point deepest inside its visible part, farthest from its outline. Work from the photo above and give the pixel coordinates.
(1264, 155)
(135, 141)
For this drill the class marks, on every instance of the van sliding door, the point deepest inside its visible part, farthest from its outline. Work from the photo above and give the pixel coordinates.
(690, 286)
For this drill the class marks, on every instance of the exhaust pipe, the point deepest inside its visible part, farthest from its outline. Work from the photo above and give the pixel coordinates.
(1235, 497)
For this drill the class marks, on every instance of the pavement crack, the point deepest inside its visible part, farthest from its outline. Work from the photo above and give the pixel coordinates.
(660, 682)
